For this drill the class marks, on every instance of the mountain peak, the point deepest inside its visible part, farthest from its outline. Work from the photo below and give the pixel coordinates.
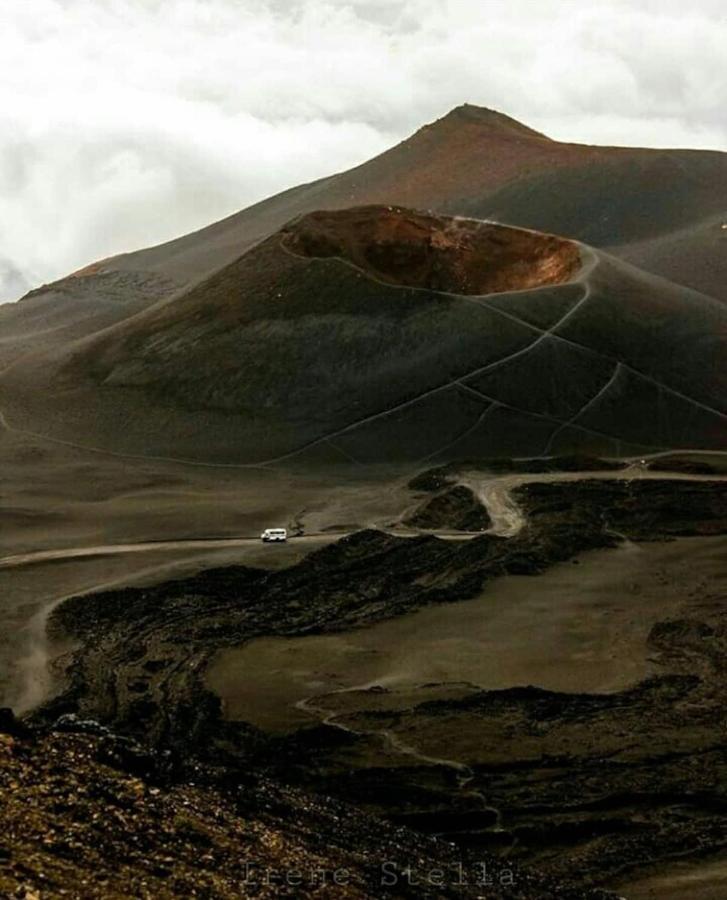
(488, 119)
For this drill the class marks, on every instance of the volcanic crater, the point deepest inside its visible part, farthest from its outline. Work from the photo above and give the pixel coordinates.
(442, 253)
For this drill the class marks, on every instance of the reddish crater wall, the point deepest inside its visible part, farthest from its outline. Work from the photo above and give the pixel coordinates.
(461, 256)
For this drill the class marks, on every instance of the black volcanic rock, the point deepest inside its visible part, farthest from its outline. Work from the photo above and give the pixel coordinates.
(11, 725)
(557, 763)
(79, 821)
(457, 508)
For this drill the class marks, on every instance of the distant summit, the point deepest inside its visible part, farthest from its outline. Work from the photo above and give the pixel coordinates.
(490, 120)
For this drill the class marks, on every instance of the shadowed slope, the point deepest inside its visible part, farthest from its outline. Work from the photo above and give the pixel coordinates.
(699, 249)
(286, 356)
(75, 306)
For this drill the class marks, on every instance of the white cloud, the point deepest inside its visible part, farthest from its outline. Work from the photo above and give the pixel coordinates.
(127, 122)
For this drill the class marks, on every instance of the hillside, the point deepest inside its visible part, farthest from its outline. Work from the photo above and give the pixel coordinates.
(662, 210)
(380, 333)
(477, 162)
(94, 816)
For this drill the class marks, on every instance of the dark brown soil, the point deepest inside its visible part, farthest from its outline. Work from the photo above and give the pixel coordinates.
(281, 356)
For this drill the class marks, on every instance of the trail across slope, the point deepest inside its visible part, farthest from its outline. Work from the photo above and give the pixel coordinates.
(371, 342)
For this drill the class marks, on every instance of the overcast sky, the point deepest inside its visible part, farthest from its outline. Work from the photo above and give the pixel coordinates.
(127, 122)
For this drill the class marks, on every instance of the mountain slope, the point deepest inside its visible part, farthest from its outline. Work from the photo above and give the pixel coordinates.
(95, 816)
(480, 163)
(378, 333)
(659, 209)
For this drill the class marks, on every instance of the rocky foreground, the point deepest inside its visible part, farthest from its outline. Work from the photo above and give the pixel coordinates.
(89, 814)
(558, 793)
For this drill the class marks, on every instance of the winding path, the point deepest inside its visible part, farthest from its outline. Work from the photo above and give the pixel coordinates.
(42, 556)
(494, 492)
(463, 773)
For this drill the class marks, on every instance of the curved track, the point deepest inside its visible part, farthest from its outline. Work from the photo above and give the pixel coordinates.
(494, 492)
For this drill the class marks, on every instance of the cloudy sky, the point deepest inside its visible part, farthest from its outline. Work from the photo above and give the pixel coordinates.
(127, 122)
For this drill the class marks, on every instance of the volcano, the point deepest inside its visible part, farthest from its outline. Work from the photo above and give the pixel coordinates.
(659, 209)
(478, 289)
(497, 627)
(380, 333)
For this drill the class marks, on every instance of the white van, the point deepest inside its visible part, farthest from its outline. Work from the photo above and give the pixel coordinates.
(274, 534)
